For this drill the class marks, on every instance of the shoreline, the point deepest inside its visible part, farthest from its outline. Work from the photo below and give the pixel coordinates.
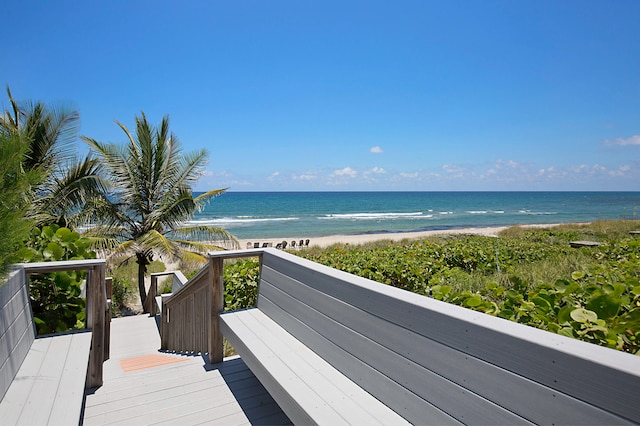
(358, 239)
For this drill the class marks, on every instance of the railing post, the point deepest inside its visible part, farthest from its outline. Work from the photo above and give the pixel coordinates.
(96, 308)
(108, 282)
(216, 345)
(164, 326)
(150, 302)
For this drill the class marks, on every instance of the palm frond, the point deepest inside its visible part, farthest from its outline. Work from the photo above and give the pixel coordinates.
(193, 260)
(124, 171)
(153, 241)
(105, 246)
(203, 233)
(52, 132)
(190, 167)
(10, 120)
(203, 199)
(201, 247)
(126, 249)
(68, 195)
(174, 211)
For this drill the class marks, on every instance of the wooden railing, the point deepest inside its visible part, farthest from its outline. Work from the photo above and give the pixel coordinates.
(179, 281)
(97, 315)
(190, 317)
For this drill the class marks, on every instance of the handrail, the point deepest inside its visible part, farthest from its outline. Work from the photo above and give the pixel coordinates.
(235, 254)
(179, 281)
(182, 326)
(96, 307)
(190, 317)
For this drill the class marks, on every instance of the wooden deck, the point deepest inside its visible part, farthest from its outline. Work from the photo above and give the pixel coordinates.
(145, 386)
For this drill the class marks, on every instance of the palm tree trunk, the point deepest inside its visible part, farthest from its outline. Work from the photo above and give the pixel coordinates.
(142, 262)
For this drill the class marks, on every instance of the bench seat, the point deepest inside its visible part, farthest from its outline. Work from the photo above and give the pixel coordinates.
(305, 385)
(329, 345)
(49, 386)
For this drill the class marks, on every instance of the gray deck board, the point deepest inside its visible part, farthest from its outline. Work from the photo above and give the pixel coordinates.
(188, 392)
(48, 387)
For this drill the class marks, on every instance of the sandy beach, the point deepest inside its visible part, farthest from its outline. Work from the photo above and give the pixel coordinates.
(367, 238)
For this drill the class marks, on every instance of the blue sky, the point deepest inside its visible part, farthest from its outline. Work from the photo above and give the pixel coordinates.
(351, 95)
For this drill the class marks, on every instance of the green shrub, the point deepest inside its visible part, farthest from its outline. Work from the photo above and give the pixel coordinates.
(15, 185)
(56, 297)
(241, 284)
(123, 292)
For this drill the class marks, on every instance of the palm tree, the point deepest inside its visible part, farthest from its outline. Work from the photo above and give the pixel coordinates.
(151, 201)
(67, 185)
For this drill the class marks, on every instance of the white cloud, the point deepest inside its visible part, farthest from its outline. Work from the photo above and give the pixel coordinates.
(588, 170)
(219, 173)
(622, 170)
(304, 177)
(451, 168)
(376, 150)
(633, 140)
(409, 175)
(347, 171)
(502, 174)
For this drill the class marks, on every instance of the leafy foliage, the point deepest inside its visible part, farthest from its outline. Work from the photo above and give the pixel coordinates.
(123, 291)
(241, 284)
(56, 297)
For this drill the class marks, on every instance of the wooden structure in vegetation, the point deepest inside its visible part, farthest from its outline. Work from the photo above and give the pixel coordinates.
(578, 244)
(42, 378)
(332, 347)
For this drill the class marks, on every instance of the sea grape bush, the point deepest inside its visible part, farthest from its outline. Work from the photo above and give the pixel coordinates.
(56, 297)
(597, 303)
(241, 284)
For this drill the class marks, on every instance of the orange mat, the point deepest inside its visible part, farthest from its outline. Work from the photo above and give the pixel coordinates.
(148, 361)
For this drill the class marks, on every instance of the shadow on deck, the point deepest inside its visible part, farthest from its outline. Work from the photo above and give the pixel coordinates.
(143, 385)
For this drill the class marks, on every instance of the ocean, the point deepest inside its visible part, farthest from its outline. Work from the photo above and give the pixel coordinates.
(261, 215)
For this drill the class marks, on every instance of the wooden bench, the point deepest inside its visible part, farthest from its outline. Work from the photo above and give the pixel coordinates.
(334, 348)
(578, 244)
(42, 378)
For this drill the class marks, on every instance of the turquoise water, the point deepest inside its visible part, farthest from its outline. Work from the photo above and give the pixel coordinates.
(312, 214)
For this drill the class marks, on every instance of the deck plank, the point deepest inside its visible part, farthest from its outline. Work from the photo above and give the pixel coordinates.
(48, 386)
(188, 392)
